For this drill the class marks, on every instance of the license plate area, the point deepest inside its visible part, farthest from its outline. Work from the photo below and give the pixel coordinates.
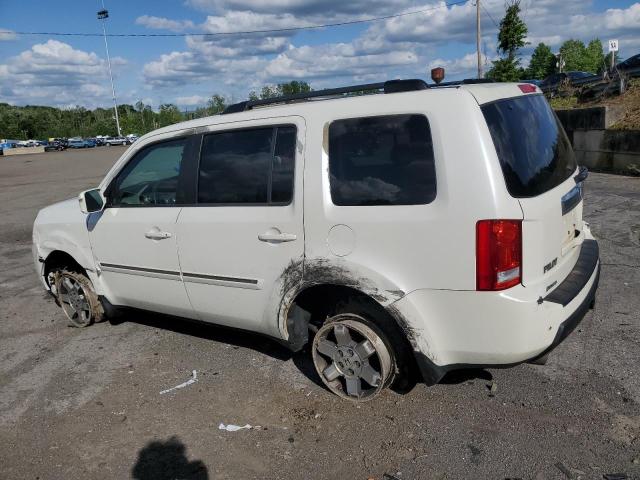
(572, 218)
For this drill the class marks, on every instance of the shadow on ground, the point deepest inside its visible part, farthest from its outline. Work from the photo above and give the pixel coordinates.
(167, 460)
(239, 338)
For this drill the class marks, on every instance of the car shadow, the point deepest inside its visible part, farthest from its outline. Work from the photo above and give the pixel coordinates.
(167, 460)
(463, 375)
(206, 331)
(218, 333)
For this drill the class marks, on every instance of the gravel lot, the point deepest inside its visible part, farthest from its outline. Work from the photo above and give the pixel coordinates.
(85, 403)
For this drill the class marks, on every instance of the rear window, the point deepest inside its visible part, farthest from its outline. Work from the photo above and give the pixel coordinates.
(534, 152)
(383, 160)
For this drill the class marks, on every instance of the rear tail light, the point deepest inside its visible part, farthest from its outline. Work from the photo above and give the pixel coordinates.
(527, 88)
(498, 254)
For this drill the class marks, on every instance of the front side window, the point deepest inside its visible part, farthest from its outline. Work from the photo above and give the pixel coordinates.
(249, 166)
(150, 177)
(383, 160)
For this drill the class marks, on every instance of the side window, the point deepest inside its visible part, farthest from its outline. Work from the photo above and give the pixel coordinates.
(283, 163)
(253, 166)
(384, 160)
(151, 176)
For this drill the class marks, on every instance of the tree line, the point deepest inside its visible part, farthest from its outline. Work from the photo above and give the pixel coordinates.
(39, 122)
(573, 54)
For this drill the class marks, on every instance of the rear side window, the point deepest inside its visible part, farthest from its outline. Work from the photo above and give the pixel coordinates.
(534, 152)
(252, 166)
(382, 160)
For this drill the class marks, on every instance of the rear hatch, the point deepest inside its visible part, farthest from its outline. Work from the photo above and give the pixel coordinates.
(540, 170)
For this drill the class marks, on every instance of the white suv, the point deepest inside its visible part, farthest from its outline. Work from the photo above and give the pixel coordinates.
(418, 230)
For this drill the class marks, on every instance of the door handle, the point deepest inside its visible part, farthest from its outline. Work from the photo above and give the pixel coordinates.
(157, 235)
(277, 237)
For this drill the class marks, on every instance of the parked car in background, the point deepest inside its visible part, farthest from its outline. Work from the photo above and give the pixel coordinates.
(5, 144)
(629, 66)
(53, 146)
(556, 80)
(131, 138)
(109, 141)
(81, 143)
(62, 141)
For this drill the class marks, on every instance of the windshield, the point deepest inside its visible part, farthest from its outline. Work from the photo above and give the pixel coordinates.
(533, 149)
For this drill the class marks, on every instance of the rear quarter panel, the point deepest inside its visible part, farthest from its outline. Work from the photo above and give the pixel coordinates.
(398, 249)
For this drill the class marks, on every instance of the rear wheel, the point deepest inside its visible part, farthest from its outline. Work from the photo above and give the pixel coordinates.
(78, 300)
(353, 357)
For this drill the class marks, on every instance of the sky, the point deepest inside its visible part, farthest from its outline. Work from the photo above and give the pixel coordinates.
(66, 71)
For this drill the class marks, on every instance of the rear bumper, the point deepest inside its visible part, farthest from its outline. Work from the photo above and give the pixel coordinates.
(453, 330)
(576, 317)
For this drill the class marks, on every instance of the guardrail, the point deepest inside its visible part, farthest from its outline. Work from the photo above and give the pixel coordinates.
(595, 84)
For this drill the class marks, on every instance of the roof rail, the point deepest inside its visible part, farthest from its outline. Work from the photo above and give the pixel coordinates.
(466, 81)
(390, 86)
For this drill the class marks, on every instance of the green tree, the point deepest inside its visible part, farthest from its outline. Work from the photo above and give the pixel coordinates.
(168, 115)
(543, 62)
(574, 54)
(216, 104)
(294, 87)
(594, 57)
(511, 38)
(289, 88)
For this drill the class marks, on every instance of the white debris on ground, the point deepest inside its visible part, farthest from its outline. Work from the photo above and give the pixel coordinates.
(235, 428)
(193, 379)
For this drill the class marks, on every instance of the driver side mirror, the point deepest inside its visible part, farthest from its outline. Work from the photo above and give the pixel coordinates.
(91, 201)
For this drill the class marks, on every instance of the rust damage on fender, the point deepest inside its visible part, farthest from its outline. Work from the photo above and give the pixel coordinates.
(301, 274)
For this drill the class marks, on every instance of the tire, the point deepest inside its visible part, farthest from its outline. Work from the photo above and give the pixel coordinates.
(406, 373)
(354, 357)
(77, 298)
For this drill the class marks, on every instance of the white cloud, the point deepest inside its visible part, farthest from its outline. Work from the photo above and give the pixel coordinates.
(160, 23)
(192, 100)
(6, 34)
(55, 73)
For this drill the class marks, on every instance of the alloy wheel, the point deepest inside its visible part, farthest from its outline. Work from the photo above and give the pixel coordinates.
(351, 358)
(74, 300)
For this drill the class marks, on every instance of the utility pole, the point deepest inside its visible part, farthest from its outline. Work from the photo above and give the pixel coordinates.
(103, 15)
(613, 59)
(478, 38)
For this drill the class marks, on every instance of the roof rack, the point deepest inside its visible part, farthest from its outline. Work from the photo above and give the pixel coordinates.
(466, 81)
(390, 86)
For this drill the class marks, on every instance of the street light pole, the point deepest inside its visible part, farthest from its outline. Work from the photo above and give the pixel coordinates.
(478, 38)
(103, 15)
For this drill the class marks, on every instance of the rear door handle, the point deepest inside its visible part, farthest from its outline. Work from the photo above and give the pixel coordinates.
(157, 235)
(277, 237)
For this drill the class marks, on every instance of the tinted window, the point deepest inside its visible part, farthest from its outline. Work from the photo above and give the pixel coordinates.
(386, 160)
(151, 177)
(283, 163)
(533, 149)
(246, 166)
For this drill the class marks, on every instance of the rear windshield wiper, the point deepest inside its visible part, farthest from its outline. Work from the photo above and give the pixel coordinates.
(582, 175)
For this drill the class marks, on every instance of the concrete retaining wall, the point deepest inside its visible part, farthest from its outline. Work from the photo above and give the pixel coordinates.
(21, 150)
(596, 145)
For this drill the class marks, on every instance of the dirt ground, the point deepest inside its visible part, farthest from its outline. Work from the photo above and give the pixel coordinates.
(86, 403)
